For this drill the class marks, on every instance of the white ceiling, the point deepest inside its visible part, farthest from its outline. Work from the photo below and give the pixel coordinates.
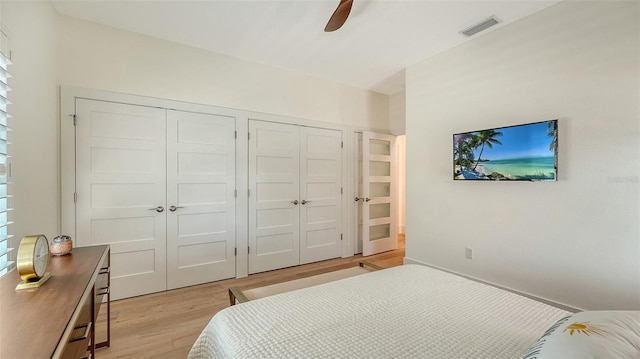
(379, 40)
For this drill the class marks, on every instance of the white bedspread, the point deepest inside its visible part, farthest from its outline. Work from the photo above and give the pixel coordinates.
(409, 311)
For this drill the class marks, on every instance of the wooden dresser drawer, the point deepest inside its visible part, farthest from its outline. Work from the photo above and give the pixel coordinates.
(79, 340)
(102, 286)
(102, 295)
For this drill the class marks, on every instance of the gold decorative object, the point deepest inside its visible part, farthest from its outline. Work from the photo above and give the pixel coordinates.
(32, 261)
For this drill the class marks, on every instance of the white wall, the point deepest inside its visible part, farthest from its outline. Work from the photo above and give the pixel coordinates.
(397, 113)
(575, 241)
(100, 57)
(34, 149)
(52, 50)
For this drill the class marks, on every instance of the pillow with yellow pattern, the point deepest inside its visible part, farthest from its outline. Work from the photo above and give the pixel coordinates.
(591, 334)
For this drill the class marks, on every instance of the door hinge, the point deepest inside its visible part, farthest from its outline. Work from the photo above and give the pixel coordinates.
(340, 236)
(235, 251)
(235, 134)
(75, 197)
(341, 190)
(235, 193)
(248, 135)
(249, 193)
(248, 249)
(74, 118)
(341, 144)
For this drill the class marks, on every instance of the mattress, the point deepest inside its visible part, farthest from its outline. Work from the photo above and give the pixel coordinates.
(409, 311)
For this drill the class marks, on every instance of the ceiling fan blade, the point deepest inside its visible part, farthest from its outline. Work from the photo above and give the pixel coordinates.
(339, 16)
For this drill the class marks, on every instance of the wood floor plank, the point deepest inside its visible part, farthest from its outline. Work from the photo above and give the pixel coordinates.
(165, 325)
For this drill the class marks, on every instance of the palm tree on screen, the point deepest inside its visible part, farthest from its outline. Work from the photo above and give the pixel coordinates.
(486, 138)
(552, 131)
(463, 149)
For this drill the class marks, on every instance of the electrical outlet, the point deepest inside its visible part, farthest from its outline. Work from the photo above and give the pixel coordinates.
(468, 253)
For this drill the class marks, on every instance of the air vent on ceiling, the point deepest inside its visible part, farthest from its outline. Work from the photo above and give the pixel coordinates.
(483, 25)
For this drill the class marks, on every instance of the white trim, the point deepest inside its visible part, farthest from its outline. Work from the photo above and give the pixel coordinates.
(562, 306)
(347, 243)
(242, 201)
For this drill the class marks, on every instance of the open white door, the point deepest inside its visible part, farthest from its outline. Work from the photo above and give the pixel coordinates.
(200, 195)
(378, 193)
(121, 191)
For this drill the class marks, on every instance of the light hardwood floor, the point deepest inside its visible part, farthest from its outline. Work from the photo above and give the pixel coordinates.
(166, 324)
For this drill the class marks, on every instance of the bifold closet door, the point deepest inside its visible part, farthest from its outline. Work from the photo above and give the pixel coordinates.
(274, 239)
(121, 191)
(200, 196)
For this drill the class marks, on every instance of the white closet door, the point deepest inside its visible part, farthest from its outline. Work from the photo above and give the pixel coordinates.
(200, 198)
(358, 189)
(121, 191)
(378, 190)
(320, 194)
(273, 196)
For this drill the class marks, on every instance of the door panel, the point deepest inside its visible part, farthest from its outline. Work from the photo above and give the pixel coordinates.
(132, 159)
(359, 188)
(273, 196)
(120, 180)
(200, 185)
(378, 187)
(320, 194)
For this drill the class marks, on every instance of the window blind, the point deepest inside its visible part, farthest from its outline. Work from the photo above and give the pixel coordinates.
(6, 262)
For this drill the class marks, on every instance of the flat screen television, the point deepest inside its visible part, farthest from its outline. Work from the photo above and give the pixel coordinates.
(527, 152)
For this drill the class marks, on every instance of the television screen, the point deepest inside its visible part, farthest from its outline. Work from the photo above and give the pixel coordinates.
(526, 152)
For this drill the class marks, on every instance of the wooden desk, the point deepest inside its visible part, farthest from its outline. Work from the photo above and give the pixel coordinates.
(56, 320)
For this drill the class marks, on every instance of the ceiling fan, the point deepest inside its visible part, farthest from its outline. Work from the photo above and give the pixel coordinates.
(339, 16)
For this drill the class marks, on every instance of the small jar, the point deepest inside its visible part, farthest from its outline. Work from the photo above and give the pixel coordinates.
(61, 245)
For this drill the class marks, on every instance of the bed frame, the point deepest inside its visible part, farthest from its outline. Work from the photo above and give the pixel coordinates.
(237, 295)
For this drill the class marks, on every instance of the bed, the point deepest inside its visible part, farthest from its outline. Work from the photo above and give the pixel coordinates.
(409, 311)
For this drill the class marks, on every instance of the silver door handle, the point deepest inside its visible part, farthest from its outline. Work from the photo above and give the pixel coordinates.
(157, 209)
(295, 202)
(174, 208)
(304, 201)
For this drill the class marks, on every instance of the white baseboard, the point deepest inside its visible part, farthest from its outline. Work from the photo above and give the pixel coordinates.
(562, 306)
